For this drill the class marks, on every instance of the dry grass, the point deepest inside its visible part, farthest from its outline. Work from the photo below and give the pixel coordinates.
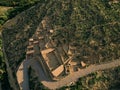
(3, 9)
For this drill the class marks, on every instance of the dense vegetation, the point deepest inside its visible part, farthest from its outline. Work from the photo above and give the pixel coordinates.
(18, 2)
(15, 7)
(1, 57)
(92, 26)
(3, 74)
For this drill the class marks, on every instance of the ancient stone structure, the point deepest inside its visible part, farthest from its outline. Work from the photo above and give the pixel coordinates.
(56, 60)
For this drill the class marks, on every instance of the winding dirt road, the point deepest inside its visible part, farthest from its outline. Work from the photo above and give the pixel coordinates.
(63, 82)
(83, 72)
(22, 73)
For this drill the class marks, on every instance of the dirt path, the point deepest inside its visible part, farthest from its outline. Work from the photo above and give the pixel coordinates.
(22, 76)
(83, 72)
(22, 73)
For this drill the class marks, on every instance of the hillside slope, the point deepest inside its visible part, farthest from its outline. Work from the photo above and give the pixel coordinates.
(91, 27)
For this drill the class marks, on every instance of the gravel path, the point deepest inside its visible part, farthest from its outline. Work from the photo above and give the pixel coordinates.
(65, 81)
